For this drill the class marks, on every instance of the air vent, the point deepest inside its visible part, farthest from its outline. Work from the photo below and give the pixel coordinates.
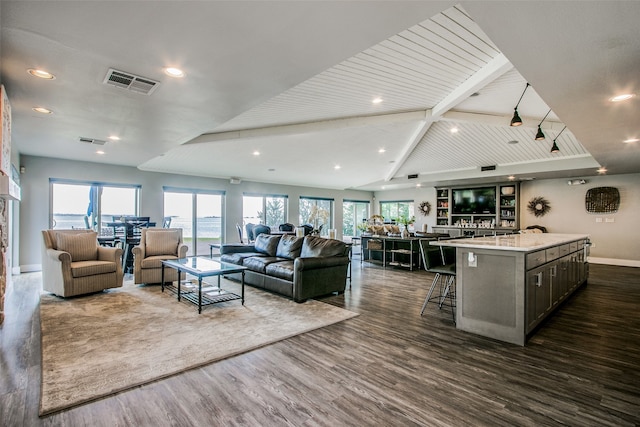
(131, 82)
(487, 168)
(92, 141)
(412, 176)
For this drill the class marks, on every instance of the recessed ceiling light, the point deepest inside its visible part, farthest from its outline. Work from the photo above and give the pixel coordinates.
(100, 152)
(513, 141)
(41, 74)
(114, 137)
(418, 185)
(271, 170)
(454, 130)
(630, 140)
(382, 150)
(602, 170)
(622, 97)
(256, 153)
(174, 72)
(336, 167)
(376, 100)
(42, 110)
(511, 178)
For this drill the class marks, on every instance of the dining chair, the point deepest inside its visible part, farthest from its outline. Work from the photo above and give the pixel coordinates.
(436, 261)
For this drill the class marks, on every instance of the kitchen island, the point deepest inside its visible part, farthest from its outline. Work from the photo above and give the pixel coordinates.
(507, 285)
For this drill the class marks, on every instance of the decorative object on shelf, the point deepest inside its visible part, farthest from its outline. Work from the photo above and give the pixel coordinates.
(425, 208)
(539, 206)
(602, 200)
(507, 191)
(404, 220)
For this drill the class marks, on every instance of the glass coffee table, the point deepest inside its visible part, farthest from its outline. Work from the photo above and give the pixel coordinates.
(200, 268)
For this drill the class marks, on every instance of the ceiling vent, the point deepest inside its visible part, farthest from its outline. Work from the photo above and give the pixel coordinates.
(488, 168)
(92, 141)
(131, 82)
(412, 176)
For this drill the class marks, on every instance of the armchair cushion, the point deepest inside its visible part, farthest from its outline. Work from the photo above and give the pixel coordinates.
(92, 268)
(81, 247)
(161, 243)
(155, 261)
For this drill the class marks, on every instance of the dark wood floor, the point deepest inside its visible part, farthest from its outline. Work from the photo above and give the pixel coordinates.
(386, 367)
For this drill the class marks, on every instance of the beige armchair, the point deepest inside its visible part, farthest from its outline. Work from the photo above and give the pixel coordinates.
(74, 264)
(157, 244)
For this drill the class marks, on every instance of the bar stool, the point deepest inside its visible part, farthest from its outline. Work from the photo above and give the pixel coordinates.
(435, 261)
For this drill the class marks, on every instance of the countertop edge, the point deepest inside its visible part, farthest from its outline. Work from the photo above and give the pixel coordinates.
(535, 242)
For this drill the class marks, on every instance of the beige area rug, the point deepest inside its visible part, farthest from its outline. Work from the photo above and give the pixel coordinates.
(96, 345)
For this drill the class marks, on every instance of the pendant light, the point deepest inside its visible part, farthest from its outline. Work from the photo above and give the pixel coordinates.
(516, 120)
(540, 135)
(554, 147)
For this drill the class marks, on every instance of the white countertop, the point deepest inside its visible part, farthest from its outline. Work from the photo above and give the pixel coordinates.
(514, 242)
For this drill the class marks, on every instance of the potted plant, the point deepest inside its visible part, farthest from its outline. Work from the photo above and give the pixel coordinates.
(406, 221)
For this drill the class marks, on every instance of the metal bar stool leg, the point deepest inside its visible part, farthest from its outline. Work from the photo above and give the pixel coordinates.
(428, 298)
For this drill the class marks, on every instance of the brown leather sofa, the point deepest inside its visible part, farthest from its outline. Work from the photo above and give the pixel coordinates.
(297, 267)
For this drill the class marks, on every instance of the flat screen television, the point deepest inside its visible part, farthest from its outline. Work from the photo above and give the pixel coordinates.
(474, 201)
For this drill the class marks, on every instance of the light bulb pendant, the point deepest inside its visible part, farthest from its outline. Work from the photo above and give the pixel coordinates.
(554, 147)
(516, 120)
(539, 135)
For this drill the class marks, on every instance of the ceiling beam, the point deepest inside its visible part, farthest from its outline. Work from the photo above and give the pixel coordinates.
(414, 140)
(485, 75)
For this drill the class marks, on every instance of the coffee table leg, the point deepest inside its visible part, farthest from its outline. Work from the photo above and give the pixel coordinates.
(199, 295)
(242, 287)
(178, 284)
(162, 277)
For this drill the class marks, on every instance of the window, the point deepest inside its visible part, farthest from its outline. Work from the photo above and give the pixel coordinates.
(399, 208)
(90, 204)
(317, 212)
(199, 214)
(270, 209)
(354, 212)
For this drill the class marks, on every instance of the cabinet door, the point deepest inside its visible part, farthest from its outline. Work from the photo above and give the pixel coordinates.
(538, 296)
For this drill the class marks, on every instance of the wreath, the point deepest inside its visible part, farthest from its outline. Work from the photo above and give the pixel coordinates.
(425, 208)
(538, 206)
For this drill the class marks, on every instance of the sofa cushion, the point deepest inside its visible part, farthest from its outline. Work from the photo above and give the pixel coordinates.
(163, 242)
(267, 244)
(320, 247)
(238, 257)
(281, 270)
(289, 247)
(81, 246)
(259, 263)
(92, 268)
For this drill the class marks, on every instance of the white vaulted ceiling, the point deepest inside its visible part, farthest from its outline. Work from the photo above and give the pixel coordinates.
(259, 79)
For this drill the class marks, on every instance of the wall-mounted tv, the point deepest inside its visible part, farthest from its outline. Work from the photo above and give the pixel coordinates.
(476, 201)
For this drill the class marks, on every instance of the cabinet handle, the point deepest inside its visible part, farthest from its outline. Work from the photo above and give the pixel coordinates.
(539, 279)
(554, 271)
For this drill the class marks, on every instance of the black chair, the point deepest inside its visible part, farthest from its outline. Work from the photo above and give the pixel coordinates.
(308, 229)
(436, 260)
(250, 235)
(261, 229)
(286, 227)
(166, 222)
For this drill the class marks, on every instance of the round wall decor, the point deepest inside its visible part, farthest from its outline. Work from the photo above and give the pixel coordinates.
(539, 206)
(425, 208)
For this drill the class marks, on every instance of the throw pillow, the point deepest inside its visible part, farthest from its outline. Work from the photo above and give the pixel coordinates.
(289, 247)
(267, 244)
(81, 246)
(161, 242)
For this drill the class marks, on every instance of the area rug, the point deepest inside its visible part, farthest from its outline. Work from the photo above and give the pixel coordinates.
(97, 345)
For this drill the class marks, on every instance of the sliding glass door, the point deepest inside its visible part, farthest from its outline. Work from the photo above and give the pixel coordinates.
(199, 214)
(90, 204)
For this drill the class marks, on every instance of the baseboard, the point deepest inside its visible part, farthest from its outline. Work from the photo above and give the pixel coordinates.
(30, 267)
(614, 261)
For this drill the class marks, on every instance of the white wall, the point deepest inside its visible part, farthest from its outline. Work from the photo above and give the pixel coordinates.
(616, 242)
(35, 204)
(418, 195)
